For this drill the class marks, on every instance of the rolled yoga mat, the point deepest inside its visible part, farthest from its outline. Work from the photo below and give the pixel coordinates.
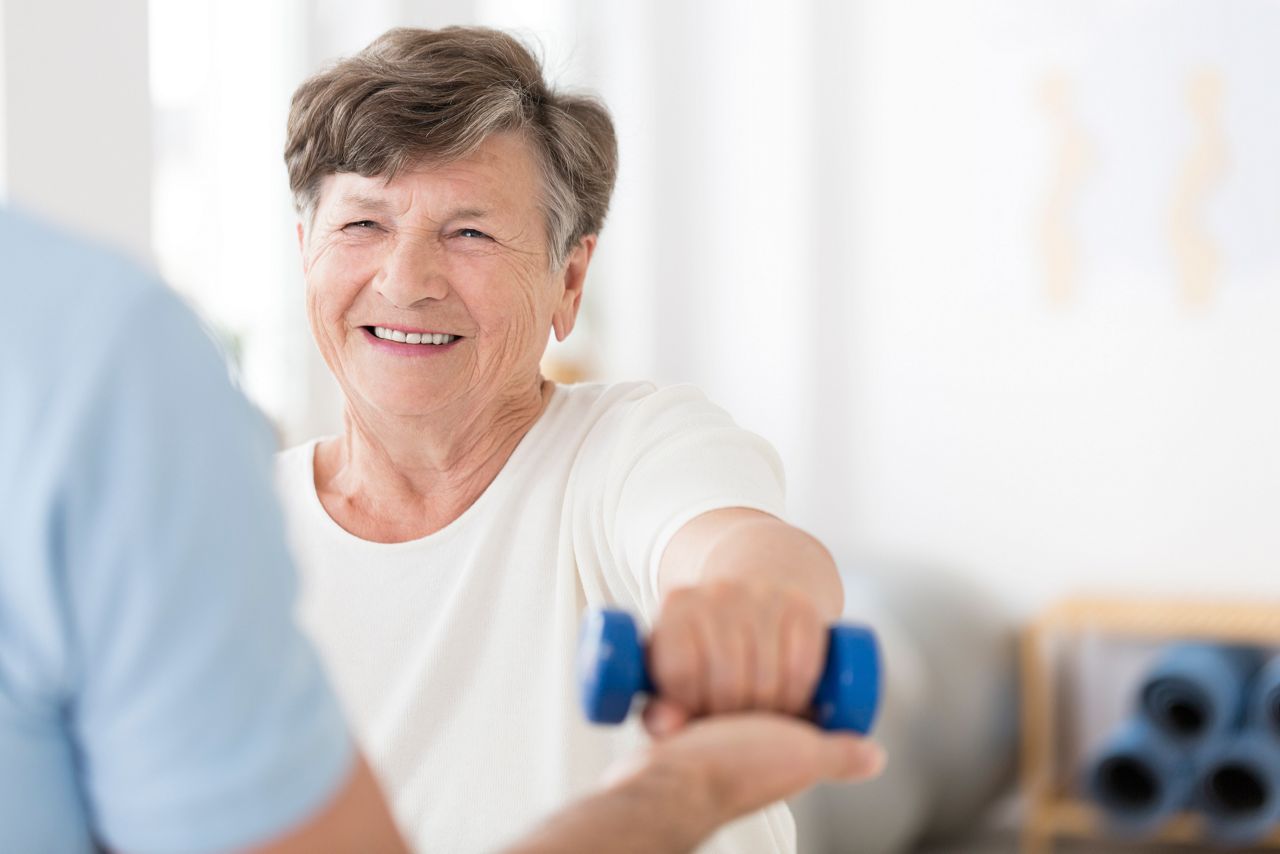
(1140, 778)
(1196, 693)
(1264, 709)
(1239, 788)
(1190, 705)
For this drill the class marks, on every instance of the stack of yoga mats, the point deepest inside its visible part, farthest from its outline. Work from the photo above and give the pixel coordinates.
(1205, 736)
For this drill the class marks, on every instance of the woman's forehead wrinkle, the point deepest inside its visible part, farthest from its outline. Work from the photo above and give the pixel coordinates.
(439, 198)
(357, 200)
(468, 212)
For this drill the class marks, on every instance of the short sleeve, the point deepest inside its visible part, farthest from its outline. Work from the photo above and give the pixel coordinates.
(201, 714)
(653, 463)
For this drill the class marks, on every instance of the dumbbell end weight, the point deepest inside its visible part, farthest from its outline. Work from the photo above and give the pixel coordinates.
(848, 693)
(611, 668)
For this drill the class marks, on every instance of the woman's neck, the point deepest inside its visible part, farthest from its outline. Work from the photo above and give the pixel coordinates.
(392, 479)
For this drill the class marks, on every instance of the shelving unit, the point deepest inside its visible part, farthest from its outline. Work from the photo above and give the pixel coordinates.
(1054, 813)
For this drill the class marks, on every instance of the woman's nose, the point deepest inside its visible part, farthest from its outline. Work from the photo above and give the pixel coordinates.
(412, 274)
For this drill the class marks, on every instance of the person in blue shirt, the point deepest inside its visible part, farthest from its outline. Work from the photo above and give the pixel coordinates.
(155, 694)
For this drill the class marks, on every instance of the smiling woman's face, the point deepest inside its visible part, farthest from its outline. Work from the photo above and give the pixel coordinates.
(454, 253)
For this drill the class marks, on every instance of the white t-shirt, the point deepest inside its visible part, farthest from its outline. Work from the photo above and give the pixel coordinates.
(453, 654)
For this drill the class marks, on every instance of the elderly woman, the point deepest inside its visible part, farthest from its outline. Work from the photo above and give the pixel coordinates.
(451, 537)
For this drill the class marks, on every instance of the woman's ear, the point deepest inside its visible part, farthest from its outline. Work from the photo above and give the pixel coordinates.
(574, 276)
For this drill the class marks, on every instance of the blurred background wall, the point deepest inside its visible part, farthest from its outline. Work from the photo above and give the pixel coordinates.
(1001, 280)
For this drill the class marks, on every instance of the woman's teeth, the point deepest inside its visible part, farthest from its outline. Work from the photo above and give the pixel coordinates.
(412, 337)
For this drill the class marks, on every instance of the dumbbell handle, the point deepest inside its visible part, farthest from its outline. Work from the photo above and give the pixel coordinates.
(612, 670)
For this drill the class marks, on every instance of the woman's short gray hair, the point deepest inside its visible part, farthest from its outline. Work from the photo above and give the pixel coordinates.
(418, 95)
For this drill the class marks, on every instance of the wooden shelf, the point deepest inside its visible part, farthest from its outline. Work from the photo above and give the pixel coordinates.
(1053, 813)
(1242, 622)
(1074, 818)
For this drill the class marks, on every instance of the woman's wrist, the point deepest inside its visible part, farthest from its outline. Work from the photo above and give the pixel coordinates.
(659, 806)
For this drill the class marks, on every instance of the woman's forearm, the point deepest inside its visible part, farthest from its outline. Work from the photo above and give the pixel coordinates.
(747, 545)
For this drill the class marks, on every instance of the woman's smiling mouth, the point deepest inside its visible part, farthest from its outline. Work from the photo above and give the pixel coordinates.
(413, 343)
(433, 338)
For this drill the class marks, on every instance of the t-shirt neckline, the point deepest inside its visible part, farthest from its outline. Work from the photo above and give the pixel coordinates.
(523, 448)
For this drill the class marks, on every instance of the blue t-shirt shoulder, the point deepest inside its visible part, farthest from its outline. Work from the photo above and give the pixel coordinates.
(155, 693)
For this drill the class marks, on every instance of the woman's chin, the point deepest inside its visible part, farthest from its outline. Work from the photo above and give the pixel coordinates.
(419, 400)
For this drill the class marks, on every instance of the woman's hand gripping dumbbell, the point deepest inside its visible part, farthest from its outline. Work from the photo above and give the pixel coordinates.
(612, 670)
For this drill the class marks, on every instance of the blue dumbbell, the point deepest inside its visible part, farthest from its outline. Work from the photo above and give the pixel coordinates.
(611, 671)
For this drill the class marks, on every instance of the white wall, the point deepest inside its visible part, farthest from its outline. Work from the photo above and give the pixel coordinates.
(1128, 436)
(4, 133)
(77, 118)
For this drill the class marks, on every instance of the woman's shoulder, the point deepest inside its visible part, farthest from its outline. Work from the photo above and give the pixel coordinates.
(610, 415)
(604, 407)
(631, 395)
(580, 397)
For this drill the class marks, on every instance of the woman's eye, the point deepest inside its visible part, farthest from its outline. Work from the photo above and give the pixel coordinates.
(361, 224)
(471, 232)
